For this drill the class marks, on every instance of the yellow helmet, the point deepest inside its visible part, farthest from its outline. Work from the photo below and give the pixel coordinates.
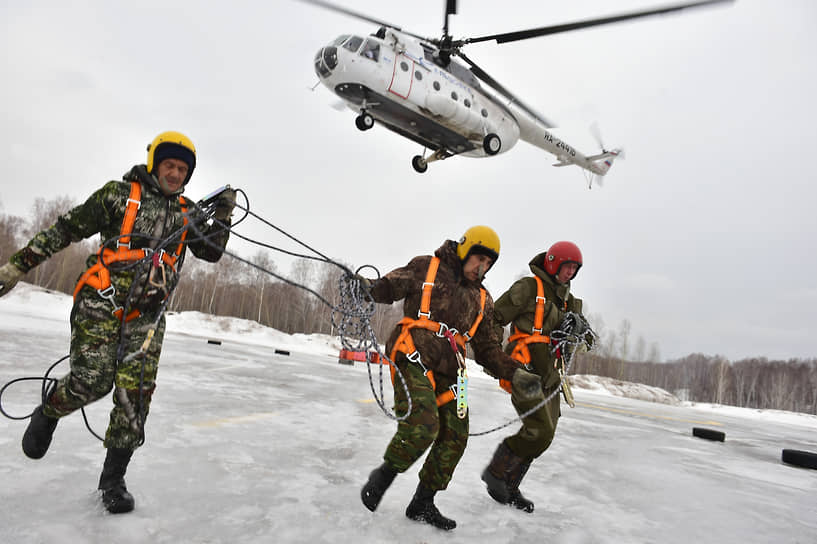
(172, 145)
(481, 240)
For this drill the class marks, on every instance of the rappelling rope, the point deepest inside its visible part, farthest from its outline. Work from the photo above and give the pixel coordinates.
(570, 338)
(351, 316)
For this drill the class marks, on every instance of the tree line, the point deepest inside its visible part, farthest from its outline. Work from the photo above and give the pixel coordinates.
(245, 290)
(755, 382)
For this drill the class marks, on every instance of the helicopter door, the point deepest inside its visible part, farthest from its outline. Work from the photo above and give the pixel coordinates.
(401, 79)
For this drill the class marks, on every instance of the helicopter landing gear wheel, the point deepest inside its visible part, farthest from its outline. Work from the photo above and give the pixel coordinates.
(491, 144)
(419, 163)
(364, 121)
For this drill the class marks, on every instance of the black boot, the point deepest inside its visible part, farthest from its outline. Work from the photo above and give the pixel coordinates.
(115, 495)
(515, 497)
(38, 435)
(503, 476)
(379, 481)
(496, 473)
(421, 508)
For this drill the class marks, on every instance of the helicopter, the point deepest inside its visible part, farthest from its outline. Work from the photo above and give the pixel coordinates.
(429, 91)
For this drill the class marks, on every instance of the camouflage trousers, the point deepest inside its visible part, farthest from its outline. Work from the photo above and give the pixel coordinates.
(538, 429)
(95, 339)
(427, 426)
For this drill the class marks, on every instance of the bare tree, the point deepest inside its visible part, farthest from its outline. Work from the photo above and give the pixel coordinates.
(11, 235)
(640, 349)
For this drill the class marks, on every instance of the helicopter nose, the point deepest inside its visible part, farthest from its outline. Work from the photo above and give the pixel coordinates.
(326, 60)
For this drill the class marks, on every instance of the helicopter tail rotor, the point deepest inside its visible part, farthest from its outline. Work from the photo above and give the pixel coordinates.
(603, 161)
(611, 155)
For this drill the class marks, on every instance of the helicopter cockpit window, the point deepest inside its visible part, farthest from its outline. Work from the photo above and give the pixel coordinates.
(371, 50)
(353, 44)
(340, 39)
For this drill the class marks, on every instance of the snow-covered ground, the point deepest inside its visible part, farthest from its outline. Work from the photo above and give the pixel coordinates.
(248, 445)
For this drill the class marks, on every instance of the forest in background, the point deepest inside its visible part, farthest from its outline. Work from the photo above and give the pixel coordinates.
(253, 294)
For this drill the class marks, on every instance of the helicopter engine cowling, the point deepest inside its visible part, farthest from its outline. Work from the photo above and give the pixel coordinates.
(454, 112)
(441, 105)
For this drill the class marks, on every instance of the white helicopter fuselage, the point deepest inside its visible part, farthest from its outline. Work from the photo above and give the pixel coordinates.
(393, 78)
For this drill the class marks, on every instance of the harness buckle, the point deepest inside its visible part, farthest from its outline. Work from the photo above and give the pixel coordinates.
(427, 315)
(415, 358)
(442, 332)
(537, 331)
(445, 331)
(120, 244)
(137, 202)
(538, 298)
(108, 294)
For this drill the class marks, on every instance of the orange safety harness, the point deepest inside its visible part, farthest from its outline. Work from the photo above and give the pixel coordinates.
(521, 352)
(405, 343)
(98, 275)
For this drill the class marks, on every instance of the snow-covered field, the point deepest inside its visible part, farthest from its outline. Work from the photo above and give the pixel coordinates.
(248, 445)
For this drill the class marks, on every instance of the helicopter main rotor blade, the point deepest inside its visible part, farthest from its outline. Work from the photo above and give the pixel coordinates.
(450, 8)
(494, 84)
(556, 29)
(340, 9)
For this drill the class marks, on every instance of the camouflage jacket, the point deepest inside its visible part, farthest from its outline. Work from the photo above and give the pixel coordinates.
(455, 301)
(159, 219)
(517, 306)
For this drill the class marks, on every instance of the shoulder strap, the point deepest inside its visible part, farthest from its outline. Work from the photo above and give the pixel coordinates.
(539, 314)
(425, 302)
(132, 206)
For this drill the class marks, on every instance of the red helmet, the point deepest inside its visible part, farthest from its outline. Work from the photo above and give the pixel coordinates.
(561, 253)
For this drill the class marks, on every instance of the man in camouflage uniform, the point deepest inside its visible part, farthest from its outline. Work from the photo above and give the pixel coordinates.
(106, 346)
(431, 370)
(555, 268)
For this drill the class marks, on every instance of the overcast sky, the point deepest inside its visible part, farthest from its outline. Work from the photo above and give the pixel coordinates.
(702, 238)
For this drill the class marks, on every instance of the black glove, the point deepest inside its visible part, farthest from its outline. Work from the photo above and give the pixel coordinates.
(573, 324)
(9, 276)
(526, 386)
(225, 202)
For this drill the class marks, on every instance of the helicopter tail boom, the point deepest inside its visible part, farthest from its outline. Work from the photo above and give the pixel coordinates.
(566, 154)
(601, 163)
